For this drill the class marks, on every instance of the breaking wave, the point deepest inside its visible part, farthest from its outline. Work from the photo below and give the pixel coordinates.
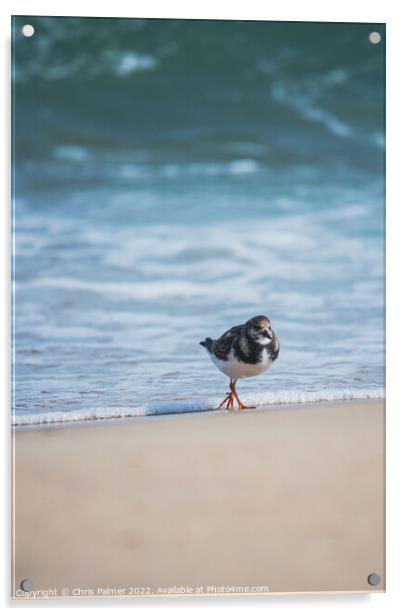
(192, 406)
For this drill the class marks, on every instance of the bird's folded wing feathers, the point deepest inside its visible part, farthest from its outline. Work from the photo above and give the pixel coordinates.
(222, 346)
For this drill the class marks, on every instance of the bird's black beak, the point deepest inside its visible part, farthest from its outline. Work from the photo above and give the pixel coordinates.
(268, 334)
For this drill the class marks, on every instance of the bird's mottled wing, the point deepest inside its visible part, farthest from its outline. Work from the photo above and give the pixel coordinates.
(221, 347)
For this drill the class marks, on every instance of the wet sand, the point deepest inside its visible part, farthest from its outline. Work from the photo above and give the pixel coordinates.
(286, 499)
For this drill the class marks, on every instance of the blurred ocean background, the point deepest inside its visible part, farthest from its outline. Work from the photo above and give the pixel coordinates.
(174, 178)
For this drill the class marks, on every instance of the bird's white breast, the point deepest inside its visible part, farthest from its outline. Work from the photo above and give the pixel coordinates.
(236, 369)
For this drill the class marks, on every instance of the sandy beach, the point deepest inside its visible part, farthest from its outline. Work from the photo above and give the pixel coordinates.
(277, 499)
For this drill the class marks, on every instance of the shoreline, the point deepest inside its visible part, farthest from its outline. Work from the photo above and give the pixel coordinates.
(107, 421)
(291, 498)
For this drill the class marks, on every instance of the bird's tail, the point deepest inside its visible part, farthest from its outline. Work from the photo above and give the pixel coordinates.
(207, 343)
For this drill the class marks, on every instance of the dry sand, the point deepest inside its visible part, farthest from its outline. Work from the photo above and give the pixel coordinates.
(286, 498)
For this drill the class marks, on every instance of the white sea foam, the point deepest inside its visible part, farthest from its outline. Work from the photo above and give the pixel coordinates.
(71, 153)
(176, 263)
(305, 107)
(234, 167)
(303, 99)
(193, 406)
(122, 63)
(127, 62)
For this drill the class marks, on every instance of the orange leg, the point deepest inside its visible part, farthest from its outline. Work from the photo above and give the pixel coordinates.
(228, 401)
(235, 394)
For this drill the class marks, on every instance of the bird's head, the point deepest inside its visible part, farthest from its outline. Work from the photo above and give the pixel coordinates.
(259, 330)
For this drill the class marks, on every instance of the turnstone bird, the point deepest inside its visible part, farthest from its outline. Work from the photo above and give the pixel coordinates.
(243, 351)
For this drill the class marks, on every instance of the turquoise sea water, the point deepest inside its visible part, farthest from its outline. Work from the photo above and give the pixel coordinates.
(175, 178)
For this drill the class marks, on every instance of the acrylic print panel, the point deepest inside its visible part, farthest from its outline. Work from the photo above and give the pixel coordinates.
(172, 180)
